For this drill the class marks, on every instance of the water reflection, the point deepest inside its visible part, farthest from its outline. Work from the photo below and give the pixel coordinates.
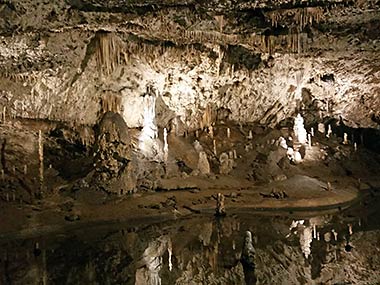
(237, 249)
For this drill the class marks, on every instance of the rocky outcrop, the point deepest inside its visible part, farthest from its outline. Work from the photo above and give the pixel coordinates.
(113, 155)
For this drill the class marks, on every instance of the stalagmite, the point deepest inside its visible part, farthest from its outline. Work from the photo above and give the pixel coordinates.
(235, 155)
(226, 163)
(327, 237)
(282, 143)
(220, 209)
(203, 164)
(41, 157)
(309, 139)
(4, 112)
(228, 133)
(350, 229)
(299, 129)
(147, 139)
(329, 188)
(197, 134)
(297, 158)
(345, 141)
(214, 146)
(321, 128)
(329, 131)
(250, 136)
(166, 146)
(312, 132)
(355, 146)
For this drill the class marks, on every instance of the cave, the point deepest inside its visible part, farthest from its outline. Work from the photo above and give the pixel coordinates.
(189, 142)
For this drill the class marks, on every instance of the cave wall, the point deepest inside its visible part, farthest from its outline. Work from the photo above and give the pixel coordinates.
(77, 60)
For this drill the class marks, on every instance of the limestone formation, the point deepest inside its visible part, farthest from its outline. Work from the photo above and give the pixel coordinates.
(299, 129)
(282, 143)
(226, 163)
(166, 146)
(113, 155)
(211, 131)
(329, 131)
(345, 140)
(203, 164)
(321, 128)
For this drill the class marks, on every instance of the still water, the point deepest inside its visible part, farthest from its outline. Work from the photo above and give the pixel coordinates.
(242, 248)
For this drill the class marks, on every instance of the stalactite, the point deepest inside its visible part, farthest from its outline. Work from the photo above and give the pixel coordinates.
(220, 20)
(111, 102)
(208, 117)
(108, 54)
(86, 135)
(301, 16)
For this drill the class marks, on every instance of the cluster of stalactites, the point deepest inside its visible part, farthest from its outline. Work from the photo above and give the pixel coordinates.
(209, 36)
(301, 16)
(111, 102)
(109, 53)
(112, 51)
(295, 43)
(208, 117)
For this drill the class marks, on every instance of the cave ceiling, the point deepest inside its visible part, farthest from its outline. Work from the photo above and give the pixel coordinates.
(55, 37)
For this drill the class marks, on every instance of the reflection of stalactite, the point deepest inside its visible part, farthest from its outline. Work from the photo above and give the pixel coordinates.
(306, 238)
(248, 259)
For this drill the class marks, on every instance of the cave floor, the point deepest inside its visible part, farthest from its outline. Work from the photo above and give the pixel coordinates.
(289, 189)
